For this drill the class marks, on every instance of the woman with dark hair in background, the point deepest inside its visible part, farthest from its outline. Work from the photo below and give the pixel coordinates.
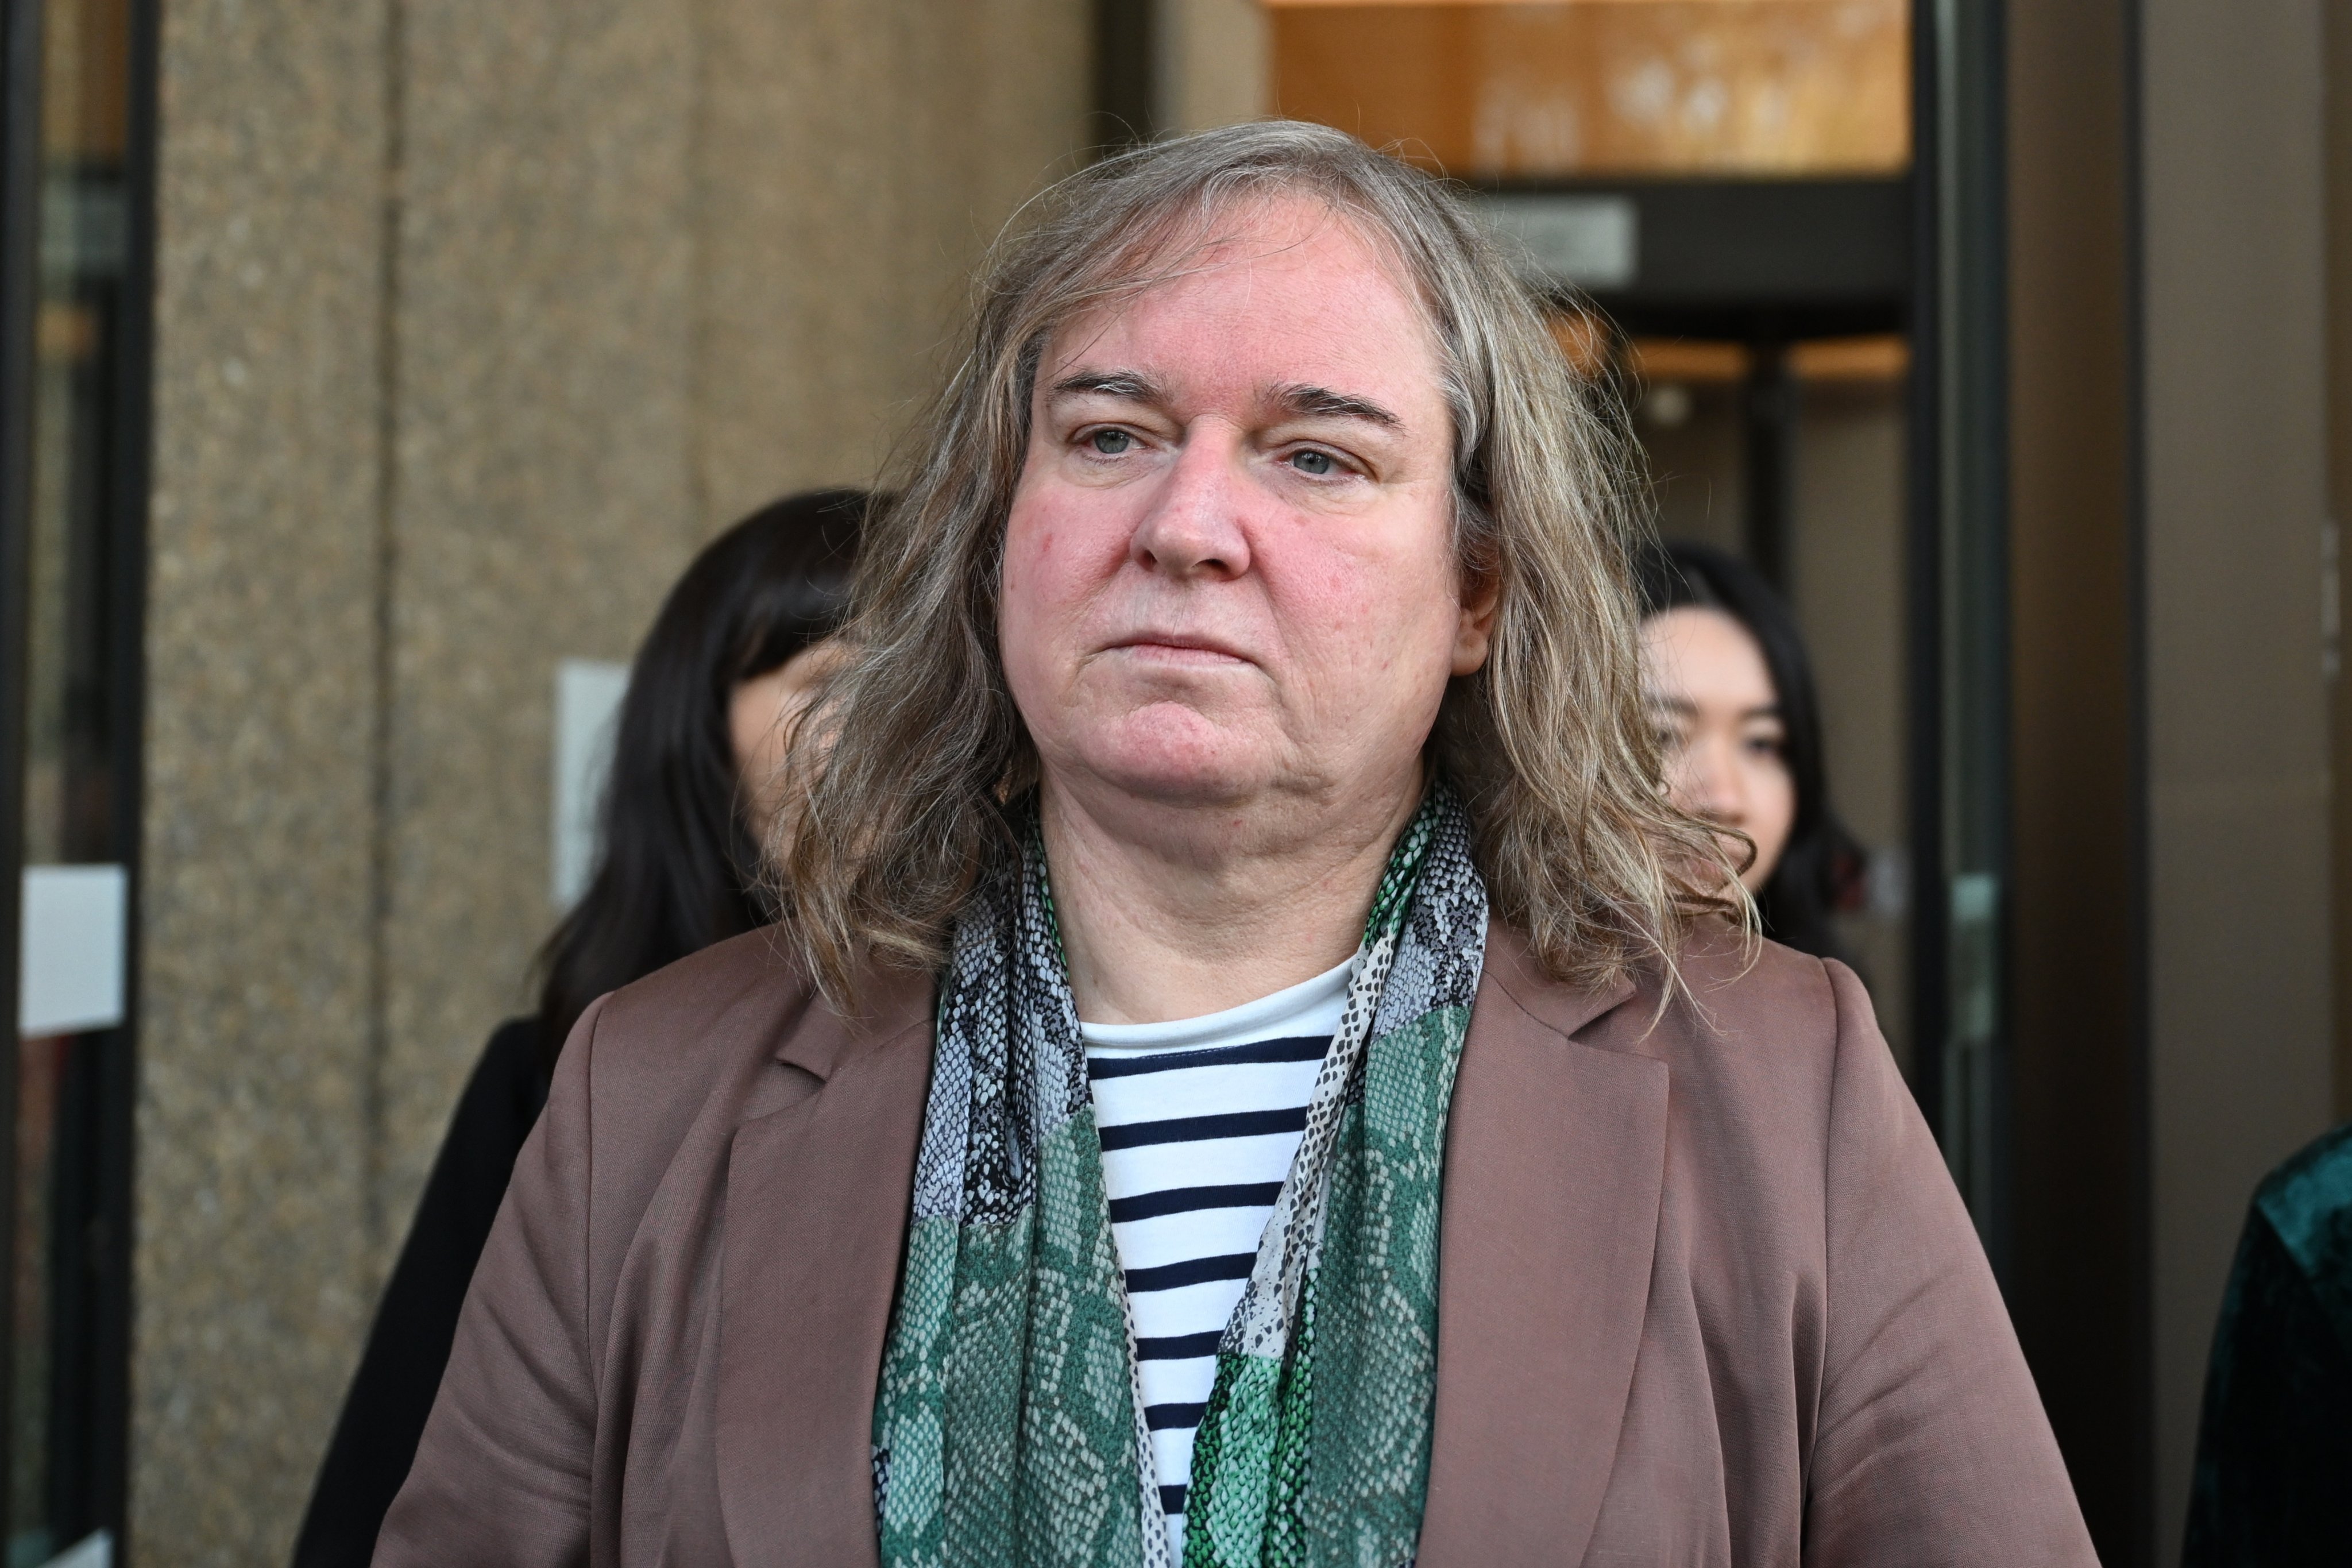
(1740, 726)
(734, 654)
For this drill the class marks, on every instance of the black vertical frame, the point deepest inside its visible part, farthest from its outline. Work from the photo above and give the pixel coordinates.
(20, 207)
(106, 1496)
(88, 1488)
(2140, 1327)
(1958, 571)
(1125, 70)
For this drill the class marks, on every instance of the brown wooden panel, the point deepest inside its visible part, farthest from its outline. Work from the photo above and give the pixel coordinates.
(1665, 86)
(2078, 1279)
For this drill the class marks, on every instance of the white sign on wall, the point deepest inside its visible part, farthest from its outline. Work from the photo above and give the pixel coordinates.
(69, 963)
(1592, 241)
(588, 693)
(93, 1552)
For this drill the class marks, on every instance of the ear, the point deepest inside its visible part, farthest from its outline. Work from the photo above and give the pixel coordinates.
(1482, 596)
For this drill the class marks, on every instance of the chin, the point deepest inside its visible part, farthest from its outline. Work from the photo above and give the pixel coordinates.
(1204, 788)
(1177, 759)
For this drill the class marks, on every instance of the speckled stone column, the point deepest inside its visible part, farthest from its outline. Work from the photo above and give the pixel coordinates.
(473, 323)
(254, 1263)
(541, 500)
(857, 155)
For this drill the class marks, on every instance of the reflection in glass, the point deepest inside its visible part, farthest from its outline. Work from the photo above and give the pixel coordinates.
(1720, 88)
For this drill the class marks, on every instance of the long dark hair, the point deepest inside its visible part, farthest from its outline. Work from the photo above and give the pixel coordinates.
(1820, 868)
(677, 868)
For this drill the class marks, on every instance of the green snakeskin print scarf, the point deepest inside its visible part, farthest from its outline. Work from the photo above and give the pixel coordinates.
(1008, 1427)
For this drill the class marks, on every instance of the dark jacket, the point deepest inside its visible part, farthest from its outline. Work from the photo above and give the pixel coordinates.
(1707, 1295)
(392, 1391)
(2274, 1480)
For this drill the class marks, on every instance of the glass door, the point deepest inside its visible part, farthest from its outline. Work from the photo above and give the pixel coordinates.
(1959, 607)
(74, 288)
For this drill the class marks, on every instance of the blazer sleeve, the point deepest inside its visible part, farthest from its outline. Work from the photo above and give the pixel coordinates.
(502, 1472)
(1930, 1444)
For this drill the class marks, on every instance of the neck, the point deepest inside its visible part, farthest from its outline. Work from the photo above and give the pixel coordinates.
(1206, 908)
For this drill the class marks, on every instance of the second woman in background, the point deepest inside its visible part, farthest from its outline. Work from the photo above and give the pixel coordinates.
(733, 653)
(1739, 725)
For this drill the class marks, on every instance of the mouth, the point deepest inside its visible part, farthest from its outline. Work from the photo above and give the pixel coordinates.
(1179, 647)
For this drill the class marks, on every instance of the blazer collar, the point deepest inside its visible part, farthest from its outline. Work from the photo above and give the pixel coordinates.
(1555, 1160)
(817, 1198)
(891, 1002)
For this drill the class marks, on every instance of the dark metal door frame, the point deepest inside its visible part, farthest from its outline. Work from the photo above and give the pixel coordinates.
(1958, 609)
(89, 1396)
(20, 199)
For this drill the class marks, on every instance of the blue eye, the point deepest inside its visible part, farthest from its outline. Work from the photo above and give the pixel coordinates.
(1110, 443)
(1312, 462)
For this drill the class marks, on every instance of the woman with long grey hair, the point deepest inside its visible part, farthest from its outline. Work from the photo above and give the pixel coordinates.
(1254, 1069)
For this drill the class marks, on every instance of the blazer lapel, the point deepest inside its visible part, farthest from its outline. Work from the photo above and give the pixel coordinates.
(817, 1198)
(1555, 1157)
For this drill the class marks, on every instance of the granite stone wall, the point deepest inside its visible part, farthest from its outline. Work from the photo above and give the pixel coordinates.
(472, 322)
(255, 1261)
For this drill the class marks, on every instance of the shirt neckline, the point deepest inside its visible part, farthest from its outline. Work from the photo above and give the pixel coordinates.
(1306, 997)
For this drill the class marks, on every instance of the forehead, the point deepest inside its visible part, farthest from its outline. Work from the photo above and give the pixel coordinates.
(1284, 291)
(1703, 654)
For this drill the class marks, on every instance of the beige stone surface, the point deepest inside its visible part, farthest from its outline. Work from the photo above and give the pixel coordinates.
(252, 1269)
(541, 500)
(473, 321)
(1216, 65)
(856, 157)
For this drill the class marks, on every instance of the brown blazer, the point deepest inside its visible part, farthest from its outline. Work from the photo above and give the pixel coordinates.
(1706, 1293)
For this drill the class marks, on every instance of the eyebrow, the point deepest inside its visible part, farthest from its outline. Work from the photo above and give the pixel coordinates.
(1133, 386)
(1322, 400)
(1684, 705)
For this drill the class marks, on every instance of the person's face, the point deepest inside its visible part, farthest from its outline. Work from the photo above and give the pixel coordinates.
(1719, 724)
(1229, 574)
(760, 718)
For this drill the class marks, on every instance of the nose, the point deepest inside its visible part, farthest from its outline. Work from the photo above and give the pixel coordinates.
(1194, 527)
(1717, 791)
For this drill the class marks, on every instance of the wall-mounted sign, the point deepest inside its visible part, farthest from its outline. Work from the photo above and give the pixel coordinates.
(69, 972)
(1592, 241)
(588, 693)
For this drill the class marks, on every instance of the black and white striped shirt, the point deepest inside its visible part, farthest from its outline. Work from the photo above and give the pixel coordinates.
(1199, 1119)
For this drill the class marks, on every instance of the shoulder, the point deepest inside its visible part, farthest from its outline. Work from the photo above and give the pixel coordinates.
(685, 1046)
(503, 1095)
(512, 1044)
(708, 1007)
(1765, 1049)
(1759, 993)
(727, 1034)
(1729, 1002)
(2308, 1201)
(1758, 1034)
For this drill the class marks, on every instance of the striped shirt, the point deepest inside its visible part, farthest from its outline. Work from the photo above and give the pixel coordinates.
(1199, 1119)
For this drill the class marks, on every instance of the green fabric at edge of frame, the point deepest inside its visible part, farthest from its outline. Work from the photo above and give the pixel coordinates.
(2273, 1479)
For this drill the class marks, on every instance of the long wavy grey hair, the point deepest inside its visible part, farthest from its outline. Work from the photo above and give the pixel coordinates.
(917, 753)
